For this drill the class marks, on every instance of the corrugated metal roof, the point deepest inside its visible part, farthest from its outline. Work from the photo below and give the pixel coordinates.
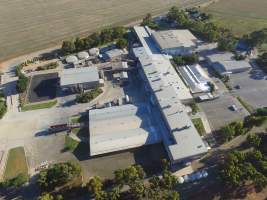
(79, 75)
(169, 90)
(121, 127)
(174, 39)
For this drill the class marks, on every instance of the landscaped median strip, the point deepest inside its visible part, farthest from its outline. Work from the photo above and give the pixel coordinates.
(199, 126)
(36, 106)
(248, 107)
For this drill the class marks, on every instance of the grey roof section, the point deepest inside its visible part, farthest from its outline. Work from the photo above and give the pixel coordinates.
(186, 142)
(225, 63)
(113, 53)
(174, 39)
(79, 75)
(121, 127)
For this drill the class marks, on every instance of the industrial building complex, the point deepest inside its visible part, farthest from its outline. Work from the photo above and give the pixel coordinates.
(182, 140)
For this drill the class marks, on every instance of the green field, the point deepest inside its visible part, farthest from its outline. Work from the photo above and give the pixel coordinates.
(36, 106)
(16, 163)
(241, 16)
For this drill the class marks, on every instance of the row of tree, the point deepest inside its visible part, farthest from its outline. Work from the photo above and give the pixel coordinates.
(239, 168)
(240, 128)
(130, 184)
(96, 39)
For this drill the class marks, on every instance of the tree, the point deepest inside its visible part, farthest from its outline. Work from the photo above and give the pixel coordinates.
(118, 32)
(106, 35)
(22, 83)
(254, 140)
(58, 175)
(148, 21)
(95, 186)
(68, 47)
(179, 16)
(79, 44)
(227, 44)
(169, 181)
(212, 87)
(137, 189)
(114, 194)
(121, 43)
(228, 133)
(46, 196)
(257, 38)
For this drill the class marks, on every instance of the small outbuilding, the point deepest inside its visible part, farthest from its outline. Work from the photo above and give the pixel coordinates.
(225, 64)
(76, 79)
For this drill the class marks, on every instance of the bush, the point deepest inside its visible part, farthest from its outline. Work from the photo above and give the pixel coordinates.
(58, 175)
(86, 97)
(186, 59)
(48, 66)
(3, 108)
(22, 83)
(254, 141)
(16, 182)
(121, 43)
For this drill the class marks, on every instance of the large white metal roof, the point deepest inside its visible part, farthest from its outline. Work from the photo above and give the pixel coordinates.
(79, 75)
(195, 77)
(225, 63)
(168, 89)
(174, 39)
(120, 127)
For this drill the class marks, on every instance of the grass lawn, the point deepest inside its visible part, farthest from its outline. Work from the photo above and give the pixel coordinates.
(199, 126)
(83, 132)
(70, 144)
(16, 163)
(241, 16)
(79, 119)
(248, 107)
(37, 106)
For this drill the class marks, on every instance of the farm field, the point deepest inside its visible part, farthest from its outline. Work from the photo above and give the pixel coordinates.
(31, 25)
(241, 16)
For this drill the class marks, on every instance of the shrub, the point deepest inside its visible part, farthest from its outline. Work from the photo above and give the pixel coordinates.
(22, 83)
(17, 181)
(58, 174)
(3, 108)
(86, 97)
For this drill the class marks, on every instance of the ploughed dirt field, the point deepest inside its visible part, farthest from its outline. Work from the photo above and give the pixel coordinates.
(31, 25)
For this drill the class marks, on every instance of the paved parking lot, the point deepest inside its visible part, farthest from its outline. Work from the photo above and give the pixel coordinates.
(51, 148)
(253, 87)
(218, 112)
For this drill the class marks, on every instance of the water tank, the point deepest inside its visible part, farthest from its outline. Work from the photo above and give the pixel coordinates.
(94, 52)
(83, 55)
(71, 59)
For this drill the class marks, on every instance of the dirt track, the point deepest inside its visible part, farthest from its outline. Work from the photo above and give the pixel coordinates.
(31, 25)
